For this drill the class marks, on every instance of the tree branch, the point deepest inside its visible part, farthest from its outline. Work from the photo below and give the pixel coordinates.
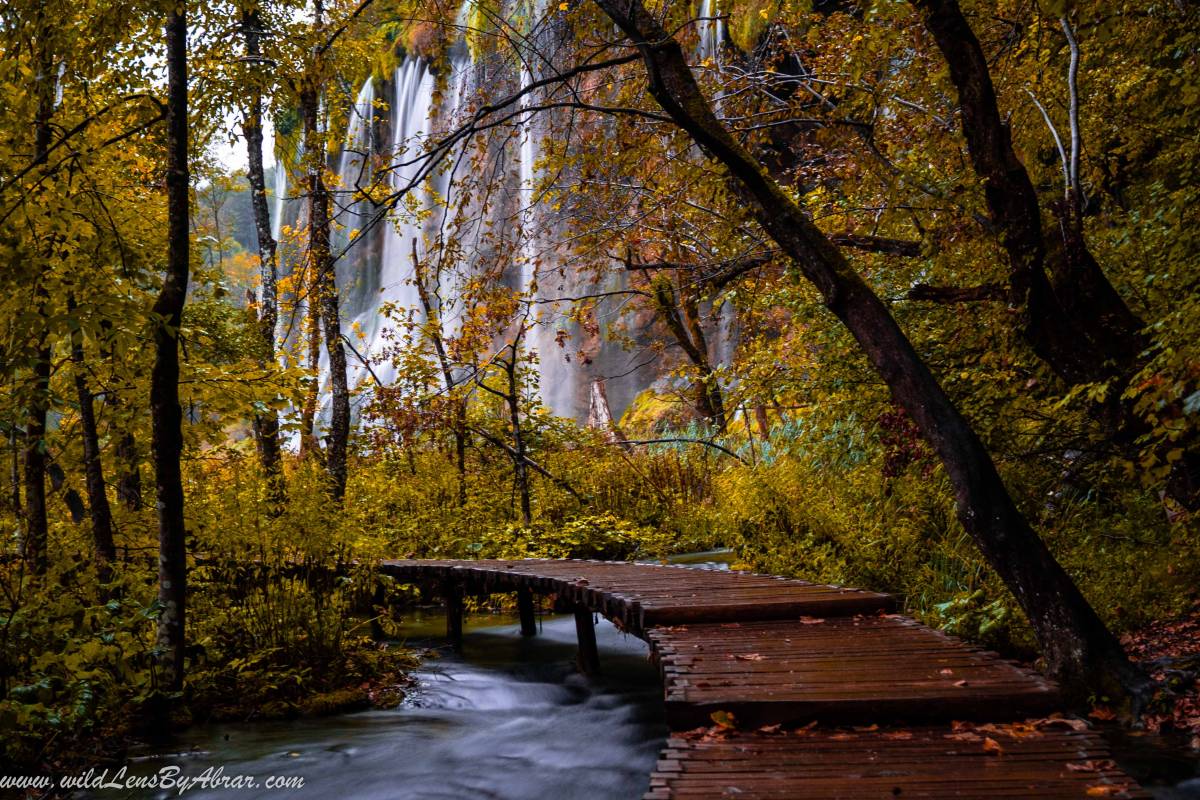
(957, 294)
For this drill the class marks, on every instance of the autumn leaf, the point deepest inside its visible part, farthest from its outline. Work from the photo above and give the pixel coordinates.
(723, 719)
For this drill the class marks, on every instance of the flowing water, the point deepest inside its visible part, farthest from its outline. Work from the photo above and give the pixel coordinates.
(509, 720)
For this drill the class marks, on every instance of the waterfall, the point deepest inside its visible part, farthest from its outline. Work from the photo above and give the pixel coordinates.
(375, 267)
(711, 35)
(711, 32)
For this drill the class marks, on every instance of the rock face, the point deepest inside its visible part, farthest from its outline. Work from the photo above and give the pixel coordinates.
(477, 217)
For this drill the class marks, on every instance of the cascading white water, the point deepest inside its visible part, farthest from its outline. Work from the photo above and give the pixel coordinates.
(375, 269)
(711, 35)
(357, 278)
(556, 388)
(711, 32)
(278, 200)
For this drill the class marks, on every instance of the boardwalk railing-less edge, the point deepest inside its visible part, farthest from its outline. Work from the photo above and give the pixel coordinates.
(900, 710)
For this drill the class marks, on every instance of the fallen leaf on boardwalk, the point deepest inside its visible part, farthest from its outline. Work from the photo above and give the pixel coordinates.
(1090, 766)
(1101, 791)
(867, 729)
(750, 657)
(990, 745)
(810, 620)
(897, 735)
(724, 719)
(965, 736)
(947, 672)
(842, 737)
(960, 684)
(1102, 713)
(806, 729)
(959, 725)
(770, 728)
(1063, 722)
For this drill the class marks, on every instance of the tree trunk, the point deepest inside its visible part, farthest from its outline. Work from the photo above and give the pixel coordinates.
(266, 424)
(1073, 317)
(129, 481)
(34, 539)
(325, 294)
(707, 397)
(165, 410)
(309, 446)
(600, 414)
(513, 401)
(14, 474)
(1079, 649)
(339, 418)
(97, 491)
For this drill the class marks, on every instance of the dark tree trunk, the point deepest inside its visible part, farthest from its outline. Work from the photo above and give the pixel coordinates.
(1079, 649)
(339, 418)
(97, 492)
(685, 327)
(325, 294)
(165, 410)
(513, 400)
(33, 543)
(266, 424)
(309, 446)
(34, 540)
(129, 481)
(14, 474)
(1073, 317)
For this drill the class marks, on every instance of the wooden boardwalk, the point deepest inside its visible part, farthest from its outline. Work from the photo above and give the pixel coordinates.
(785, 666)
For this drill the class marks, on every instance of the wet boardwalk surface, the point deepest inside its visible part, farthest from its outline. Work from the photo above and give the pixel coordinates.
(789, 668)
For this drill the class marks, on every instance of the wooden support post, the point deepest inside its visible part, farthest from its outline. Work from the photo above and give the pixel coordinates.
(454, 614)
(585, 630)
(525, 609)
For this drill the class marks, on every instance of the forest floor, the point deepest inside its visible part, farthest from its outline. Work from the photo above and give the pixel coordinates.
(1171, 649)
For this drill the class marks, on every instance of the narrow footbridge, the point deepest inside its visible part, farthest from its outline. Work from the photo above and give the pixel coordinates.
(818, 692)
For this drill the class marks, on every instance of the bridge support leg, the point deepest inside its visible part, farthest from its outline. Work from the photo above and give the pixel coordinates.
(585, 630)
(525, 609)
(454, 614)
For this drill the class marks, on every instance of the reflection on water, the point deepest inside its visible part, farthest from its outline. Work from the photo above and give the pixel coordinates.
(510, 720)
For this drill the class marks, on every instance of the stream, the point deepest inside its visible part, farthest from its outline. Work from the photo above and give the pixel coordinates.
(511, 719)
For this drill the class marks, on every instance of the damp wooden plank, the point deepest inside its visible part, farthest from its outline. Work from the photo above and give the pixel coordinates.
(843, 669)
(641, 596)
(993, 761)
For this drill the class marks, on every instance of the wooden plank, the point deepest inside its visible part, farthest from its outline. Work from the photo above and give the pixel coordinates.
(934, 762)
